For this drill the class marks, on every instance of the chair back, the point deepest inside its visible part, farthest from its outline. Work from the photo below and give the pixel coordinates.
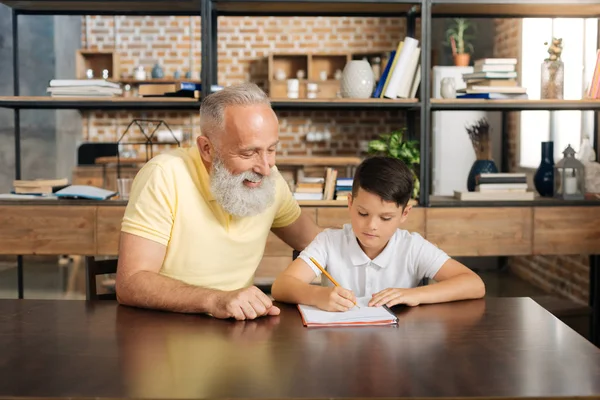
(93, 268)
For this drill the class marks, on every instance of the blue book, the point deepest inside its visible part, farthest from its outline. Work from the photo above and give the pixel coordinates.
(386, 71)
(492, 96)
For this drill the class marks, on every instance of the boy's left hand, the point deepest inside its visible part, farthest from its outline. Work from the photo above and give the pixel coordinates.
(391, 296)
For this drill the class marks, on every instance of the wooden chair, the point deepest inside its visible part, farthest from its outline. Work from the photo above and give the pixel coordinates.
(93, 268)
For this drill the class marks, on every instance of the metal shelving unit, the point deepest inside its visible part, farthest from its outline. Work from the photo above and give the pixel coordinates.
(106, 7)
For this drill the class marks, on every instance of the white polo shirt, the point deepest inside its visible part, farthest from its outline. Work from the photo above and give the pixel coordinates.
(403, 263)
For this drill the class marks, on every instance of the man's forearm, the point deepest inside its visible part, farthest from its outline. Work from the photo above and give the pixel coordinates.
(151, 290)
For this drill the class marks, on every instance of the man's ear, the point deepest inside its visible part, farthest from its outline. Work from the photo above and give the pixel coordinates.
(207, 151)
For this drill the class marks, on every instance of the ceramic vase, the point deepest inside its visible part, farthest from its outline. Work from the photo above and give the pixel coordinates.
(479, 167)
(543, 179)
(358, 80)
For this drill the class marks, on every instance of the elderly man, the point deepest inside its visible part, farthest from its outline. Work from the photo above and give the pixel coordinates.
(197, 221)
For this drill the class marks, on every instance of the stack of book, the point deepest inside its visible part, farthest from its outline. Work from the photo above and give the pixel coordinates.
(83, 88)
(499, 187)
(343, 188)
(39, 186)
(309, 188)
(493, 78)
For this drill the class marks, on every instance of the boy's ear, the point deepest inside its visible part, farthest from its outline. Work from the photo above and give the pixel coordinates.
(405, 212)
(349, 200)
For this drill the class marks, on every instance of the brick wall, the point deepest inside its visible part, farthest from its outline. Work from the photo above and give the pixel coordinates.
(566, 276)
(508, 45)
(243, 46)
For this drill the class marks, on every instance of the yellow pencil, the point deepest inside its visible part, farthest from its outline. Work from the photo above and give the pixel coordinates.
(328, 276)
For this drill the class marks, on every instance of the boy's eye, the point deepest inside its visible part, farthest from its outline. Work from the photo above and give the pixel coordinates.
(386, 218)
(361, 214)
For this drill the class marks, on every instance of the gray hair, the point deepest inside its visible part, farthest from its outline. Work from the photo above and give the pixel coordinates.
(212, 109)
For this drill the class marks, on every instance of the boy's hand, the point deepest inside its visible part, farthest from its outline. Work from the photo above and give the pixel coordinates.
(335, 299)
(391, 296)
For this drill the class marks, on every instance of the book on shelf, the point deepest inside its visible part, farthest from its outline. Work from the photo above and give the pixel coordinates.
(39, 186)
(494, 187)
(491, 82)
(495, 61)
(494, 178)
(495, 195)
(85, 192)
(83, 88)
(492, 78)
(330, 180)
(489, 75)
(404, 72)
(308, 196)
(492, 96)
(493, 89)
(593, 90)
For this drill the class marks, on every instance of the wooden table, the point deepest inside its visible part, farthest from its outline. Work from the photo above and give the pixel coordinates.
(505, 347)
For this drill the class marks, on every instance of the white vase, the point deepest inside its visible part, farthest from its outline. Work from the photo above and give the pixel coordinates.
(358, 80)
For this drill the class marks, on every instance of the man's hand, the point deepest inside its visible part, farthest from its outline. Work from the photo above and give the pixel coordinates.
(335, 299)
(391, 296)
(242, 304)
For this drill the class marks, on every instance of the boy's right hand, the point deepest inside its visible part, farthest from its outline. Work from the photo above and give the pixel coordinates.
(335, 299)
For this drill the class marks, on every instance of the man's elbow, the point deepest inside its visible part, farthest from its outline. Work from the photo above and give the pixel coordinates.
(124, 291)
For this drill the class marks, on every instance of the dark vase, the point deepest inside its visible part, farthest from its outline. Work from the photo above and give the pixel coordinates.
(544, 176)
(479, 167)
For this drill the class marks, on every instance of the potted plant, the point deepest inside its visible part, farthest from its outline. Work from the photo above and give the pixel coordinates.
(458, 39)
(408, 151)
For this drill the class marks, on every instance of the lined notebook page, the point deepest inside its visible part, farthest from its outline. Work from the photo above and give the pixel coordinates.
(365, 315)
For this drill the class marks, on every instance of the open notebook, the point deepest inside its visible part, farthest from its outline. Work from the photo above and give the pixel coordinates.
(365, 315)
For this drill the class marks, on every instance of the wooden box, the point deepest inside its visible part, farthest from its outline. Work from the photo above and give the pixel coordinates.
(97, 61)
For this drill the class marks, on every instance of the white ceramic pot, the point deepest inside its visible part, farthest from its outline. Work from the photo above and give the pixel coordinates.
(358, 80)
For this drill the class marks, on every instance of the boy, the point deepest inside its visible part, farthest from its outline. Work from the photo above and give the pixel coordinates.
(372, 258)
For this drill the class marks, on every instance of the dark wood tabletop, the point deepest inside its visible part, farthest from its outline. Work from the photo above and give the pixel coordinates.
(503, 347)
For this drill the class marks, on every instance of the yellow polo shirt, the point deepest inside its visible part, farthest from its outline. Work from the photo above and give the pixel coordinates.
(171, 203)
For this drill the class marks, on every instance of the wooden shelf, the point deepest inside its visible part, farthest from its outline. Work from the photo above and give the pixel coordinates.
(337, 103)
(513, 105)
(314, 7)
(133, 81)
(281, 161)
(318, 161)
(449, 201)
(107, 7)
(515, 8)
(323, 203)
(87, 103)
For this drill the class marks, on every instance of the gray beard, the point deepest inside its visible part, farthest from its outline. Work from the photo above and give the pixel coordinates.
(236, 198)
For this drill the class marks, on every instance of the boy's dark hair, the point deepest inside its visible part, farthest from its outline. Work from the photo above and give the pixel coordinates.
(387, 177)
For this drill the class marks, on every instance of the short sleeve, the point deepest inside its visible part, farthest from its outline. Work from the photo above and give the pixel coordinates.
(428, 257)
(317, 249)
(150, 210)
(288, 209)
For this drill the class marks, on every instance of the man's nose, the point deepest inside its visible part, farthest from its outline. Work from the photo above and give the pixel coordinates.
(262, 166)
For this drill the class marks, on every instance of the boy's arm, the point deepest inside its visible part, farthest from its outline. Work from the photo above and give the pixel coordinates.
(454, 282)
(293, 286)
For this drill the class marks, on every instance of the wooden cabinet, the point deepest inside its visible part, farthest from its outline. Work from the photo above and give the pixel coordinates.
(477, 231)
(566, 230)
